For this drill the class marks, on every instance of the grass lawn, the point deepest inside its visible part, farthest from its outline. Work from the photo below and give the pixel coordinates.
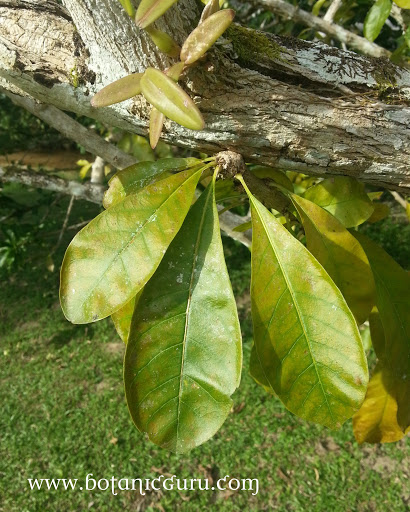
(64, 415)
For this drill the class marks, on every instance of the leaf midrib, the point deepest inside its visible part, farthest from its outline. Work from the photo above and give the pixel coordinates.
(297, 310)
(187, 311)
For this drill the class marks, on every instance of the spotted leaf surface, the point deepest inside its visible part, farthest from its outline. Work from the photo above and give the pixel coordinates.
(306, 339)
(113, 257)
(183, 359)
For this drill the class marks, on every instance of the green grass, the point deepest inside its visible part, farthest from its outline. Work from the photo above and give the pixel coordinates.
(64, 415)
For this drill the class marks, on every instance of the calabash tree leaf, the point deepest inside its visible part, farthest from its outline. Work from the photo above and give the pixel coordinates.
(376, 421)
(164, 94)
(257, 373)
(344, 198)
(376, 18)
(150, 10)
(156, 123)
(340, 254)
(316, 8)
(122, 318)
(163, 41)
(243, 227)
(134, 178)
(128, 7)
(306, 338)
(404, 4)
(175, 71)
(381, 211)
(112, 258)
(211, 7)
(275, 175)
(203, 37)
(120, 90)
(183, 358)
(393, 303)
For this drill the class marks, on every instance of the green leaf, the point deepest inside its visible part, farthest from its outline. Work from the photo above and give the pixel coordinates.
(243, 227)
(183, 359)
(156, 123)
(113, 257)
(376, 18)
(275, 175)
(122, 318)
(381, 211)
(163, 41)
(162, 92)
(377, 333)
(340, 254)
(393, 303)
(134, 178)
(150, 10)
(404, 4)
(128, 7)
(306, 339)
(204, 36)
(316, 8)
(344, 198)
(120, 90)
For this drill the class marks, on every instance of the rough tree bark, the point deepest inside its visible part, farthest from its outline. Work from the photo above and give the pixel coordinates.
(287, 103)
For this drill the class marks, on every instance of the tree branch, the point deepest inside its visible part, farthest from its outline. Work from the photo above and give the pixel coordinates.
(73, 130)
(286, 103)
(325, 25)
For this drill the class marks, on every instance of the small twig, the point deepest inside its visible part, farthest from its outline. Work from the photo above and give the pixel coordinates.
(64, 227)
(330, 13)
(399, 199)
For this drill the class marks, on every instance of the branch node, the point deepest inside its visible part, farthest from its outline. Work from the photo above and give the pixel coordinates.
(230, 164)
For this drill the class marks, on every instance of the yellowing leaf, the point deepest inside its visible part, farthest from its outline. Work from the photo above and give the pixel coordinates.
(393, 303)
(377, 334)
(306, 339)
(156, 122)
(211, 7)
(120, 90)
(136, 177)
(183, 359)
(163, 41)
(164, 94)
(203, 37)
(150, 10)
(381, 211)
(344, 198)
(376, 421)
(113, 257)
(122, 318)
(341, 256)
(404, 4)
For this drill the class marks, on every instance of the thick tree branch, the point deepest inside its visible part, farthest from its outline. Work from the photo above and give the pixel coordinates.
(286, 103)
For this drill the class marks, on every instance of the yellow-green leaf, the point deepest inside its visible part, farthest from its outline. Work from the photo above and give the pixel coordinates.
(340, 254)
(128, 7)
(156, 123)
(376, 421)
(393, 303)
(344, 198)
(203, 37)
(211, 7)
(136, 177)
(150, 10)
(164, 94)
(275, 175)
(306, 338)
(377, 334)
(122, 318)
(404, 4)
(183, 359)
(316, 8)
(381, 211)
(113, 257)
(120, 90)
(163, 41)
